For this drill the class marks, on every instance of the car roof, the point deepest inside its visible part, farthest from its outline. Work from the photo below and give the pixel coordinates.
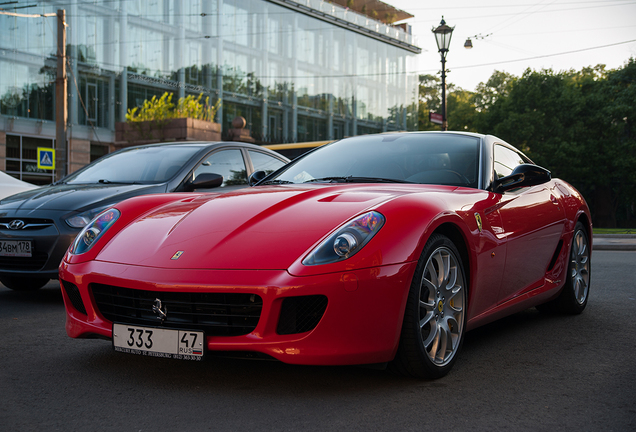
(200, 144)
(474, 134)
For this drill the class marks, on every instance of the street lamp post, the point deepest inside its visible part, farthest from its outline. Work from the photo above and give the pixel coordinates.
(443, 35)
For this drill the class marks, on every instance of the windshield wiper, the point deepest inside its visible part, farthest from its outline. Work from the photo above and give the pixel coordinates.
(329, 179)
(104, 181)
(352, 179)
(276, 182)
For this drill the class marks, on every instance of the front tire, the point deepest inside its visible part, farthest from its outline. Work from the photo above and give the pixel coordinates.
(24, 284)
(435, 316)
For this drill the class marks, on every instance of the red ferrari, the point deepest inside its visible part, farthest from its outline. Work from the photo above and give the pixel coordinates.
(376, 249)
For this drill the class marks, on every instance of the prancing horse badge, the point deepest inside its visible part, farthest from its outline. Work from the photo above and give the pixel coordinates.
(477, 218)
(178, 254)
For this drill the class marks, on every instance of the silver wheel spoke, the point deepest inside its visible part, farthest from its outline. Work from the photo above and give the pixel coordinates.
(428, 313)
(428, 284)
(446, 265)
(433, 338)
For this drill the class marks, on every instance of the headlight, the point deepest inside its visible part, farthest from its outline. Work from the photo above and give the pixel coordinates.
(82, 219)
(93, 231)
(347, 240)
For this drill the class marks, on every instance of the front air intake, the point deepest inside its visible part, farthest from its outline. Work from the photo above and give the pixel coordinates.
(73, 294)
(301, 314)
(218, 313)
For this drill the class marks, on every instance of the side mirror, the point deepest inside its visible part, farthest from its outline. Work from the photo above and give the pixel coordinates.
(256, 177)
(204, 181)
(522, 176)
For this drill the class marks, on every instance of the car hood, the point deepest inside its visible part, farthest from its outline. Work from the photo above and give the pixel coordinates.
(257, 228)
(74, 197)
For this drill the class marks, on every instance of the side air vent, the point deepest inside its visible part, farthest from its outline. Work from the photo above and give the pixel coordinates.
(556, 255)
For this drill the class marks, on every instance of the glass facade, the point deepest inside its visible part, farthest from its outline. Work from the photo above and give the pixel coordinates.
(297, 71)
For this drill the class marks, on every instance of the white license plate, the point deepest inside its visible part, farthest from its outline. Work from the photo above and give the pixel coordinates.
(156, 342)
(16, 248)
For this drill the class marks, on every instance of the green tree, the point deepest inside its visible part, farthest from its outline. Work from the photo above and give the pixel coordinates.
(429, 99)
(498, 86)
(577, 124)
(461, 110)
(581, 125)
(611, 153)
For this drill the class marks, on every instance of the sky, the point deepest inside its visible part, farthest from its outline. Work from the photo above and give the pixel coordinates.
(513, 35)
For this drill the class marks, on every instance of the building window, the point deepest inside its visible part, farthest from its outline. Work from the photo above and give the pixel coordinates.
(98, 150)
(22, 162)
(94, 105)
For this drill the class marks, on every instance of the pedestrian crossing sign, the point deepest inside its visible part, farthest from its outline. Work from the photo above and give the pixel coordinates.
(46, 158)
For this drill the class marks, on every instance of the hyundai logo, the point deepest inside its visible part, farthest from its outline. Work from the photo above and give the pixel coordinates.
(16, 224)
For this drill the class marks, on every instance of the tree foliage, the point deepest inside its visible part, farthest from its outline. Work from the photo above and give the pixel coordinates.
(429, 100)
(461, 110)
(578, 124)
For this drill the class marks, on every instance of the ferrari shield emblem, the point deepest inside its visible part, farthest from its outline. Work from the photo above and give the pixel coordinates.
(477, 218)
(178, 254)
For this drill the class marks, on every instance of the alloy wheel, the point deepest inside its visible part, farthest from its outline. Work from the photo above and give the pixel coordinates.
(442, 300)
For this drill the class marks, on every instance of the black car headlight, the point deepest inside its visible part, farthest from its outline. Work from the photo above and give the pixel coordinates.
(347, 240)
(94, 230)
(82, 219)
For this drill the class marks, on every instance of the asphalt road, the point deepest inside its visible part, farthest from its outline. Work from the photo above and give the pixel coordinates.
(528, 372)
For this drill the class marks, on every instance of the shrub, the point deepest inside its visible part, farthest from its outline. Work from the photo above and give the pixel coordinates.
(163, 109)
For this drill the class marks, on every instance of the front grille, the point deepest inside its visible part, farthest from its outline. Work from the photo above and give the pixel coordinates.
(218, 314)
(34, 263)
(301, 314)
(29, 223)
(72, 291)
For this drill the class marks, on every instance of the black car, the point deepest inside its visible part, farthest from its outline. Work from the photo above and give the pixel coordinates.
(36, 227)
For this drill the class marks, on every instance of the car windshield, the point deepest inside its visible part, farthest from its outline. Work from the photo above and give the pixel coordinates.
(137, 165)
(438, 158)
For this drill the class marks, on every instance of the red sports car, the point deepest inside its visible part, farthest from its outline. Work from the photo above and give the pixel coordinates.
(373, 249)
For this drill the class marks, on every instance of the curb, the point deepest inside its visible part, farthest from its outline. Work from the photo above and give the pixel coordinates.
(614, 242)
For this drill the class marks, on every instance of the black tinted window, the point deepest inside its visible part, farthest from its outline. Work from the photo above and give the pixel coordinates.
(264, 162)
(228, 163)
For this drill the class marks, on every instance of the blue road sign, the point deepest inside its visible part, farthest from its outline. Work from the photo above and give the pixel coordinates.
(46, 158)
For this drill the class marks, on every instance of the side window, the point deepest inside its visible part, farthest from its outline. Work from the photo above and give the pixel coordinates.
(265, 162)
(506, 160)
(228, 163)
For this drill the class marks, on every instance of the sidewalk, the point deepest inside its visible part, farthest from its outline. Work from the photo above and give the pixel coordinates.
(615, 242)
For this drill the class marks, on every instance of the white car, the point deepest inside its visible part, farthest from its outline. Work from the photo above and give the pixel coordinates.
(10, 185)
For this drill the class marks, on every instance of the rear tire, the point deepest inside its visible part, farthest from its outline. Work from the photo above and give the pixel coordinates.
(435, 316)
(573, 297)
(24, 284)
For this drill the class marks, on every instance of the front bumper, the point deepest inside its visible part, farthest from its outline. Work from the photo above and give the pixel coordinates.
(361, 323)
(50, 238)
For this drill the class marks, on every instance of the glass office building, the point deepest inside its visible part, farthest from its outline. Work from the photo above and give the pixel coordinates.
(297, 71)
